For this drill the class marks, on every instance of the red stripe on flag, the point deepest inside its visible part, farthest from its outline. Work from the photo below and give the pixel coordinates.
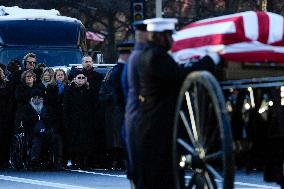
(278, 43)
(216, 39)
(254, 56)
(263, 27)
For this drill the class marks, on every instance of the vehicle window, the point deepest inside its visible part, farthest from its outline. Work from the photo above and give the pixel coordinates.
(39, 32)
(51, 57)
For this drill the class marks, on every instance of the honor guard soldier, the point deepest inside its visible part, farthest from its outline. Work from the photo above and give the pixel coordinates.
(160, 78)
(131, 90)
(116, 135)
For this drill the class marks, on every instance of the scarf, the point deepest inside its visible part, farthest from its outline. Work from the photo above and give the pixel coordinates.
(37, 107)
(60, 87)
(45, 83)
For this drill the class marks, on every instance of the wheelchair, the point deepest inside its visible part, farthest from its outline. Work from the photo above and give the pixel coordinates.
(20, 152)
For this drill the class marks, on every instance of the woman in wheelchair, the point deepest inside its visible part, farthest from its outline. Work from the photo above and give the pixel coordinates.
(40, 132)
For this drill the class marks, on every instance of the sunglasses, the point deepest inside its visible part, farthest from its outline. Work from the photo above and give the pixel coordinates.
(31, 62)
(81, 77)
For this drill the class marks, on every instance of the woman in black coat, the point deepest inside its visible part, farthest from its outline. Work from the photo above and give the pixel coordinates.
(23, 91)
(79, 106)
(47, 78)
(54, 99)
(5, 120)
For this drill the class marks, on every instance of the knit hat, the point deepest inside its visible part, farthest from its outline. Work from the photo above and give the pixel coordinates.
(36, 92)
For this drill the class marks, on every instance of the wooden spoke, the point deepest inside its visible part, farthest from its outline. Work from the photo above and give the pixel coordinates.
(186, 124)
(191, 115)
(214, 156)
(186, 146)
(214, 172)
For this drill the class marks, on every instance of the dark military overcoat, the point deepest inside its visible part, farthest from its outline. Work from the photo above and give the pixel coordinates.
(160, 79)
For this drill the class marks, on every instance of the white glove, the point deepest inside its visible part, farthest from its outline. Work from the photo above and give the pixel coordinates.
(215, 57)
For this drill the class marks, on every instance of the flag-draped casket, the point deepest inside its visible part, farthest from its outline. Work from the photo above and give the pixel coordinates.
(242, 37)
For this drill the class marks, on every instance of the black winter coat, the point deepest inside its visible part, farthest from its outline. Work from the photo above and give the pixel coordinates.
(23, 94)
(95, 80)
(15, 78)
(6, 97)
(28, 117)
(106, 89)
(6, 121)
(111, 117)
(118, 95)
(160, 79)
(79, 117)
(55, 101)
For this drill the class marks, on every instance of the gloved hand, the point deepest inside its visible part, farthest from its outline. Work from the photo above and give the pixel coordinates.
(215, 57)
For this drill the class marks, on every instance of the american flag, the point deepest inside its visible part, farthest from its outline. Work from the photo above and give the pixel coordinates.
(246, 37)
(94, 36)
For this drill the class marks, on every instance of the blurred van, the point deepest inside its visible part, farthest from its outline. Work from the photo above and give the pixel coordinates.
(56, 40)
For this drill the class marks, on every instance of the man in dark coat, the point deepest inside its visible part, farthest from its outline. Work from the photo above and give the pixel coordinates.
(41, 129)
(124, 50)
(94, 79)
(29, 63)
(131, 88)
(6, 94)
(272, 137)
(14, 72)
(107, 108)
(160, 79)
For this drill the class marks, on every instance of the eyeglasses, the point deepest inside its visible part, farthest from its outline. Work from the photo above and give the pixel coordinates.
(31, 62)
(81, 77)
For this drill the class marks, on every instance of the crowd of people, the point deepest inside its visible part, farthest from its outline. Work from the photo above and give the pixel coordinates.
(66, 113)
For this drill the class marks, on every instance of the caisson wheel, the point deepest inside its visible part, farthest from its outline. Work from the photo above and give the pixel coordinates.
(202, 142)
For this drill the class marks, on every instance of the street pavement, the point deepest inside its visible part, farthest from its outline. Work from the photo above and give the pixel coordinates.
(99, 179)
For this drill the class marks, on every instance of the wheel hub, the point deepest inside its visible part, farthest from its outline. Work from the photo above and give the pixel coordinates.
(192, 161)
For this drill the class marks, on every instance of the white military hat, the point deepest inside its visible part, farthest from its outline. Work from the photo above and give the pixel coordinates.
(160, 24)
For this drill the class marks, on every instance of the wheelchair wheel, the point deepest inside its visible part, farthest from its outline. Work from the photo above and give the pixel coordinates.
(18, 151)
(202, 141)
(47, 158)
